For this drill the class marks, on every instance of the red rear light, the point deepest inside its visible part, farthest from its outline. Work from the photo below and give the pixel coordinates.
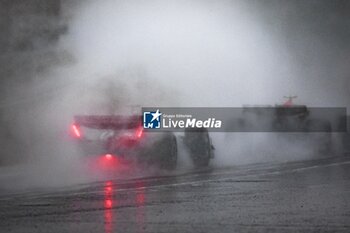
(108, 156)
(139, 132)
(76, 131)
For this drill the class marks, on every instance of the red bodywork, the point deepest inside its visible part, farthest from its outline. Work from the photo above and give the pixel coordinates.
(109, 122)
(127, 134)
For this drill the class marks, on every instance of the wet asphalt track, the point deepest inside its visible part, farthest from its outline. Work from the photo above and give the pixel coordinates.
(312, 196)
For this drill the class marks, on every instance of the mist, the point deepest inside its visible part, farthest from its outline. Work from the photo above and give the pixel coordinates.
(211, 54)
(114, 54)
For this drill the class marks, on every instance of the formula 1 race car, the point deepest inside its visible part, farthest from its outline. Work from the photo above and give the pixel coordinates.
(296, 121)
(123, 137)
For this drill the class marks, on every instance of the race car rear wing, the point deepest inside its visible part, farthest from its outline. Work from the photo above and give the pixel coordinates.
(115, 122)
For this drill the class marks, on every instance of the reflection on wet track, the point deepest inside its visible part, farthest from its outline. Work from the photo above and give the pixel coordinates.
(111, 202)
(108, 205)
(298, 196)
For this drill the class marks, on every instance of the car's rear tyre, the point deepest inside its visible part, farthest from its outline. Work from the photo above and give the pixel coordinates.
(199, 145)
(167, 152)
(322, 135)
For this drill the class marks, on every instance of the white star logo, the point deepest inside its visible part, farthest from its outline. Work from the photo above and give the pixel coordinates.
(156, 115)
